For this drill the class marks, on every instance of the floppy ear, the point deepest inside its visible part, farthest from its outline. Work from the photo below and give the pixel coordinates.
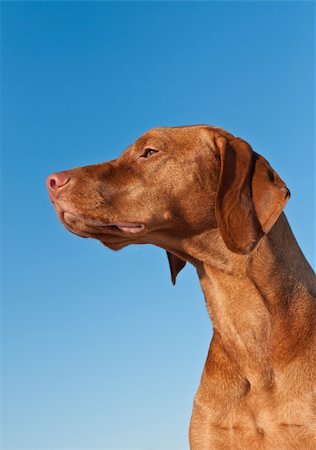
(176, 264)
(250, 195)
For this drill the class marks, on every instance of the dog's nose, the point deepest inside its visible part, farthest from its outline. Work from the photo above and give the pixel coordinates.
(55, 181)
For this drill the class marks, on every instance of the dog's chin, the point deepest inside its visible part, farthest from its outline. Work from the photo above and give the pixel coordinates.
(73, 224)
(115, 245)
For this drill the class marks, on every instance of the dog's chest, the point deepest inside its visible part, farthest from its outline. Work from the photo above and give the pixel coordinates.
(268, 436)
(259, 421)
(271, 424)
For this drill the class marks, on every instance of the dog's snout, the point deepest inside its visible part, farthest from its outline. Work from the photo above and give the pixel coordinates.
(56, 181)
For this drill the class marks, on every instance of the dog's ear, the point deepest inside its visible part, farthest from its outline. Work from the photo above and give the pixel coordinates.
(176, 264)
(250, 195)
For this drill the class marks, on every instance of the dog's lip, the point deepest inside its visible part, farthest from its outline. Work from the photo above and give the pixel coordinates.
(129, 227)
(126, 227)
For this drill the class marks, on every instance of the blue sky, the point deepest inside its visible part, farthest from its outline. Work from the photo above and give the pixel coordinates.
(99, 351)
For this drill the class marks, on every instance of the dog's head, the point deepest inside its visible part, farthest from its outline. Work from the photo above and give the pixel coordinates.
(173, 184)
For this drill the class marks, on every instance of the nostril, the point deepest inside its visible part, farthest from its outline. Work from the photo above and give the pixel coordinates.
(57, 180)
(52, 183)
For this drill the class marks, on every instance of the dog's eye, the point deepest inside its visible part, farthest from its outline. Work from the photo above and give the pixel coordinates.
(149, 152)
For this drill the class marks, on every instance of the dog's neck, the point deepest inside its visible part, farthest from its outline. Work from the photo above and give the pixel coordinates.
(261, 305)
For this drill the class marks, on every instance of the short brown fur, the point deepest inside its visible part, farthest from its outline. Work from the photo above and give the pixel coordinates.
(208, 198)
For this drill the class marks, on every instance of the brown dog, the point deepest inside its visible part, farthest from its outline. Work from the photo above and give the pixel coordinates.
(208, 198)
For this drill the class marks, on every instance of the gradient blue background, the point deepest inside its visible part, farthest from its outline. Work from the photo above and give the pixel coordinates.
(99, 351)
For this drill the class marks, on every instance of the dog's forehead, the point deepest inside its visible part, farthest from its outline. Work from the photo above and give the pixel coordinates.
(189, 134)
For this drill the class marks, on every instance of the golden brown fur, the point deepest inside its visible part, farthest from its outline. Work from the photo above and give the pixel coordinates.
(208, 198)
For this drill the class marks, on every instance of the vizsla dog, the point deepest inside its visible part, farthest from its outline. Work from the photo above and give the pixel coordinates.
(206, 197)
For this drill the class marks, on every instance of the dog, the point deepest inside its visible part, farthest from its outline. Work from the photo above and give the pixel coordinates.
(207, 198)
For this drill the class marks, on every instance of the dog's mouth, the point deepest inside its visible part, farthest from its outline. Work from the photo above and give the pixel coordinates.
(125, 227)
(86, 227)
(113, 233)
